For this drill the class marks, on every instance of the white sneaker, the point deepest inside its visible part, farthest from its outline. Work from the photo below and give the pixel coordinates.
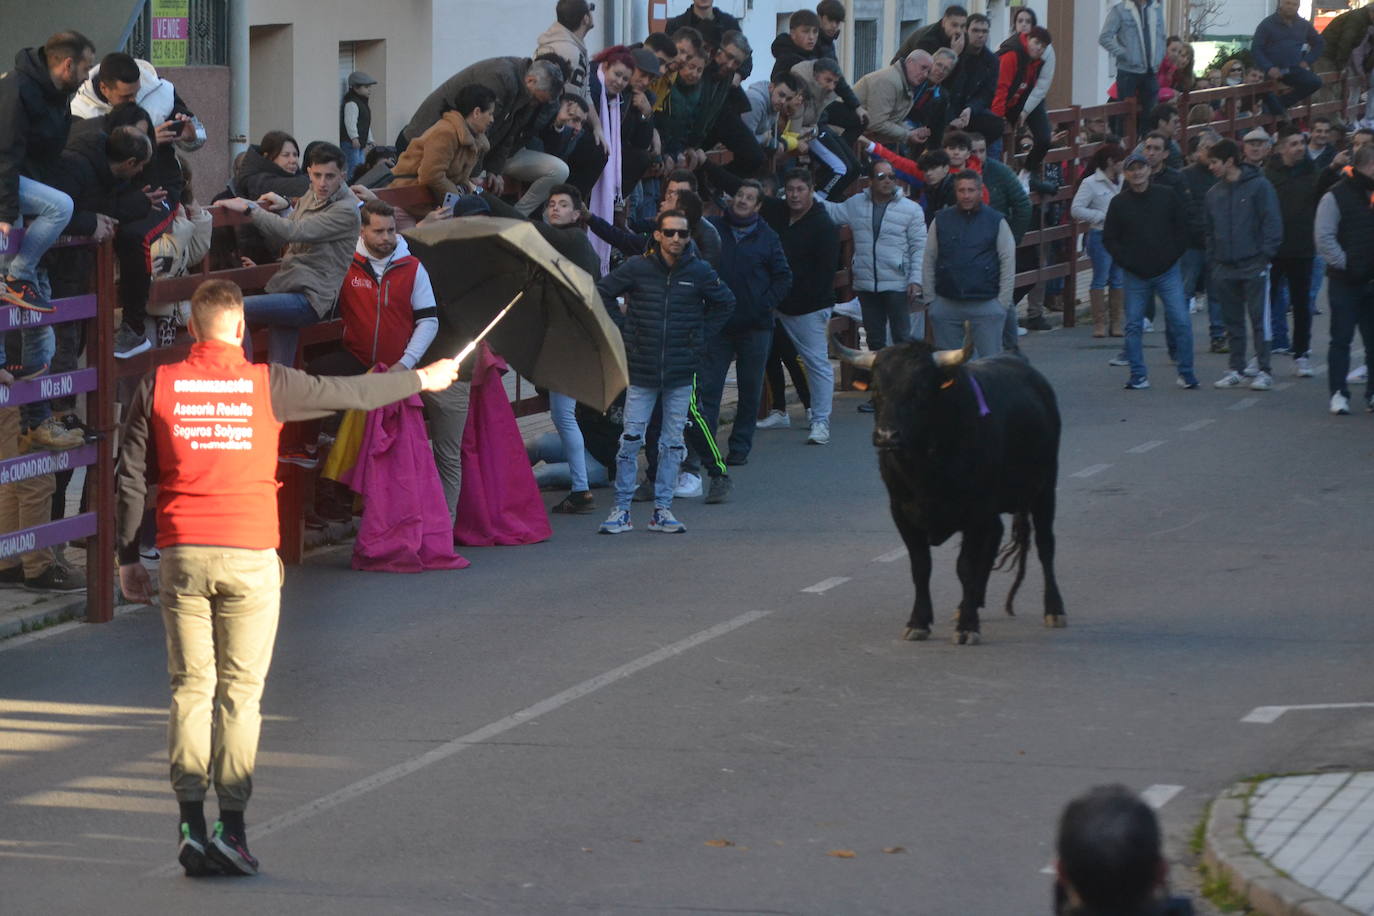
(1193, 307)
(1021, 332)
(777, 419)
(1302, 367)
(1262, 382)
(688, 485)
(1358, 375)
(1147, 325)
(1340, 405)
(820, 433)
(1251, 368)
(1231, 379)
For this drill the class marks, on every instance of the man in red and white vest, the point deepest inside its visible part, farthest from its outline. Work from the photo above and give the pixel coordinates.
(387, 303)
(206, 430)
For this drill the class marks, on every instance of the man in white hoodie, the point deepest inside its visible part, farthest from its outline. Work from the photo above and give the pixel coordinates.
(117, 80)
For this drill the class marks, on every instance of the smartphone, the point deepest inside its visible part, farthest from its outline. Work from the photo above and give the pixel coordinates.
(451, 200)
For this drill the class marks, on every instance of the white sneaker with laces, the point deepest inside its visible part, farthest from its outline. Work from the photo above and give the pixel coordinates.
(1262, 382)
(1251, 368)
(1302, 367)
(1147, 325)
(776, 419)
(688, 485)
(1231, 379)
(820, 433)
(1358, 375)
(1340, 405)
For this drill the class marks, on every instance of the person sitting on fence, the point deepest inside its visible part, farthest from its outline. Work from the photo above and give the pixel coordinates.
(117, 80)
(1035, 113)
(444, 157)
(1285, 47)
(33, 130)
(321, 233)
(273, 165)
(973, 84)
(888, 94)
(1020, 60)
(526, 98)
(185, 243)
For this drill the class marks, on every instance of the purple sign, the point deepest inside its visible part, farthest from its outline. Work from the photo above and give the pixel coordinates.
(60, 531)
(74, 309)
(47, 387)
(36, 464)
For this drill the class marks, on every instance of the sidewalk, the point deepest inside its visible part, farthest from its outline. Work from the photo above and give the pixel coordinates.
(1300, 845)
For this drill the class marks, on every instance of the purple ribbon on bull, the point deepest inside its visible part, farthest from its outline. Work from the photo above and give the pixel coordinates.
(983, 410)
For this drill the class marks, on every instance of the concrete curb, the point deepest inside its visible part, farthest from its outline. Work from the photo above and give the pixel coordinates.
(1228, 854)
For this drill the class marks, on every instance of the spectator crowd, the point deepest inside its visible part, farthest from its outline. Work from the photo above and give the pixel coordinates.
(710, 195)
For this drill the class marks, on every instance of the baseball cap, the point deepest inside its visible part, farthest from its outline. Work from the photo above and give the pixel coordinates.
(646, 60)
(359, 78)
(1134, 159)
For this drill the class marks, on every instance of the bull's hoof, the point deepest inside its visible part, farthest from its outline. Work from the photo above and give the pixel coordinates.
(1056, 621)
(916, 634)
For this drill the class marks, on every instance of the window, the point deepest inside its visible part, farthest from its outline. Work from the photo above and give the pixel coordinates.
(865, 46)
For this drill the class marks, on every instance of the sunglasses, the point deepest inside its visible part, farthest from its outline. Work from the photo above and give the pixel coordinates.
(675, 233)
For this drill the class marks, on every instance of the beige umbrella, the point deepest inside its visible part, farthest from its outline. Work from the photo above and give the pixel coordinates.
(500, 280)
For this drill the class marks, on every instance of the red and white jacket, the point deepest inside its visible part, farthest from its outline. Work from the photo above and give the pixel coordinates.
(388, 308)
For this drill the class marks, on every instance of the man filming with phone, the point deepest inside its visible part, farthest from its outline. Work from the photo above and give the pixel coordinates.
(119, 79)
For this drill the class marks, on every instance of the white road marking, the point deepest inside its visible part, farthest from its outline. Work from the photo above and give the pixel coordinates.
(826, 585)
(1156, 796)
(1144, 447)
(1090, 470)
(1243, 403)
(1265, 715)
(891, 556)
(1196, 425)
(487, 732)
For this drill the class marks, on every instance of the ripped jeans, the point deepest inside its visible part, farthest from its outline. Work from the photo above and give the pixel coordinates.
(639, 407)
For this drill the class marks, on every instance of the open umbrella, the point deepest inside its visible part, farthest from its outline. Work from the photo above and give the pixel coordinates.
(499, 279)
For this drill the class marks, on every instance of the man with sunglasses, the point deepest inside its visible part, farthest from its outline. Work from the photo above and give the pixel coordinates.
(674, 303)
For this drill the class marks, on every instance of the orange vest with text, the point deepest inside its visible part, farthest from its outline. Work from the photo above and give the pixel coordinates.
(216, 440)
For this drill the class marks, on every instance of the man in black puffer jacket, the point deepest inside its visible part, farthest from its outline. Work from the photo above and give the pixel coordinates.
(674, 303)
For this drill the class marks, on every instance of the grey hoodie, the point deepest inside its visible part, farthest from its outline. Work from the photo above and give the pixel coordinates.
(1244, 225)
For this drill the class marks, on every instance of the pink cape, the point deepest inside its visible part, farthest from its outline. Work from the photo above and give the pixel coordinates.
(405, 519)
(499, 503)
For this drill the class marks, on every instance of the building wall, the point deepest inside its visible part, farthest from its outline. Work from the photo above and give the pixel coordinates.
(294, 82)
(205, 90)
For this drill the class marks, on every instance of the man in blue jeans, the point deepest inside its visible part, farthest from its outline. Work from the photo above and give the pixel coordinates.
(320, 233)
(1133, 34)
(754, 267)
(1285, 47)
(674, 303)
(33, 131)
(1146, 232)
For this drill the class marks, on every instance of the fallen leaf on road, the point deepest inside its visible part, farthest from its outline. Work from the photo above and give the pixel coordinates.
(841, 853)
(719, 844)
(893, 850)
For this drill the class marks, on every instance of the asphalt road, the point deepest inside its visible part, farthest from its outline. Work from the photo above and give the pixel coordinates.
(697, 723)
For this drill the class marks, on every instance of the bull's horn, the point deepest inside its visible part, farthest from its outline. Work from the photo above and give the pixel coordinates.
(863, 360)
(951, 358)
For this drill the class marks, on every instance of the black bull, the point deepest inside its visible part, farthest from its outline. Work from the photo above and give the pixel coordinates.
(959, 443)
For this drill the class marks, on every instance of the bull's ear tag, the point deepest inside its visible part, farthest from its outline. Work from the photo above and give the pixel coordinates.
(947, 383)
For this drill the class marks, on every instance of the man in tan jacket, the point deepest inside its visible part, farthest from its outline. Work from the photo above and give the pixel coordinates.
(443, 158)
(888, 95)
(320, 233)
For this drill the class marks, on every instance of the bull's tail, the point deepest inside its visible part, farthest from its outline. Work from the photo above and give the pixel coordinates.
(1015, 551)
